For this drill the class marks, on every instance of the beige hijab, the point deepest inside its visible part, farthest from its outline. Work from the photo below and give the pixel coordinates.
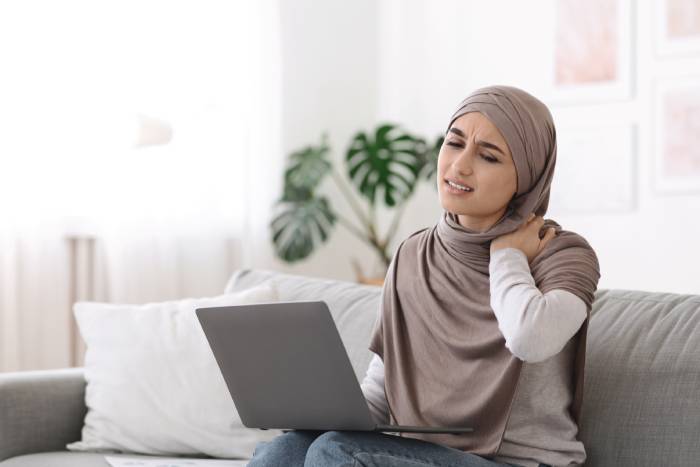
(445, 359)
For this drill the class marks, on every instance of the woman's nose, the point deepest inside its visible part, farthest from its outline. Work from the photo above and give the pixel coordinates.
(463, 162)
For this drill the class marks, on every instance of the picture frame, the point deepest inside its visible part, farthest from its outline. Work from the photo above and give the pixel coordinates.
(676, 145)
(592, 51)
(677, 27)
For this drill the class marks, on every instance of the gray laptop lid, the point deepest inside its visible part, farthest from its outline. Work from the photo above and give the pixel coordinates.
(286, 368)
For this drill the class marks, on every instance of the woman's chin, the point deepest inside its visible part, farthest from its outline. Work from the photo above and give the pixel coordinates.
(454, 208)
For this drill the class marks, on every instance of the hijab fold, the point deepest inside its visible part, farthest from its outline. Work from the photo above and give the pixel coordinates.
(445, 359)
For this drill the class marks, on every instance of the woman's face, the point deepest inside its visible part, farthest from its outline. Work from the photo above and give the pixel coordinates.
(475, 154)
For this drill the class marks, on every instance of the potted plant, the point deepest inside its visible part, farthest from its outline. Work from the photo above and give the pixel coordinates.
(385, 167)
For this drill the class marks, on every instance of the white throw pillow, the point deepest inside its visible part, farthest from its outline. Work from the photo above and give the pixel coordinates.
(153, 385)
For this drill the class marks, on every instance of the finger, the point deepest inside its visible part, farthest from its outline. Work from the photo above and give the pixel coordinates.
(550, 234)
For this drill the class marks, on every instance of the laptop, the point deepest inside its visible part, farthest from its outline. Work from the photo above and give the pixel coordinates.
(286, 368)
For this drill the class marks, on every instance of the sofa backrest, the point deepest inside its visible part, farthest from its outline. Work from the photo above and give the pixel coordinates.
(641, 402)
(642, 383)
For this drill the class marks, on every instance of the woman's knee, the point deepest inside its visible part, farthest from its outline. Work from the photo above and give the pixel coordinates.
(332, 447)
(287, 449)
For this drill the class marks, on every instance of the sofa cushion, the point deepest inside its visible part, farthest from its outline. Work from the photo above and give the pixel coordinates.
(153, 385)
(58, 459)
(354, 307)
(642, 383)
(71, 459)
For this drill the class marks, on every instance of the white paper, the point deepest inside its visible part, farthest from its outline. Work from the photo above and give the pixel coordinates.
(152, 461)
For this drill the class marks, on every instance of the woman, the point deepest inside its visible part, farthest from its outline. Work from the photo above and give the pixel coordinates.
(484, 315)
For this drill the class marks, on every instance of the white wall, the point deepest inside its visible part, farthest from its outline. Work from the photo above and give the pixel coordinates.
(423, 57)
(329, 84)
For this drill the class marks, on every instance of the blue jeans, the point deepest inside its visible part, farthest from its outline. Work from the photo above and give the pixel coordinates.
(310, 448)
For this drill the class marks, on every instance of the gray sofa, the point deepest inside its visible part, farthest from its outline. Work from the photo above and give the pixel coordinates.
(642, 386)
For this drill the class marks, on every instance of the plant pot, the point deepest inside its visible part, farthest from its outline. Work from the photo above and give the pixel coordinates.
(371, 280)
(368, 280)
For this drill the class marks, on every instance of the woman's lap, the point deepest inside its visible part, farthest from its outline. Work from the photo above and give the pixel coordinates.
(288, 449)
(359, 448)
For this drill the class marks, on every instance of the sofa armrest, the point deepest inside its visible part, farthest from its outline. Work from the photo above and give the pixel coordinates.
(40, 410)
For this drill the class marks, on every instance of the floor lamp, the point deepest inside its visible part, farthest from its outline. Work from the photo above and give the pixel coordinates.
(82, 257)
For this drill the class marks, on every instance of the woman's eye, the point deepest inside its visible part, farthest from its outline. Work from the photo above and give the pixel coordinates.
(483, 156)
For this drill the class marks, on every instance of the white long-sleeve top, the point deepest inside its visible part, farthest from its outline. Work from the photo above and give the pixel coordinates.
(537, 329)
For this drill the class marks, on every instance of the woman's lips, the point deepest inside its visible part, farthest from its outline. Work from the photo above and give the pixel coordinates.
(455, 191)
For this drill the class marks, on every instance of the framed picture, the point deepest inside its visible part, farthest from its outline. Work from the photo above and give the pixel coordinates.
(677, 26)
(592, 51)
(676, 110)
(596, 169)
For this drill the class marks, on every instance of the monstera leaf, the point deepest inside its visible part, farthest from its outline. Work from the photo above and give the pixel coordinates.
(296, 193)
(308, 166)
(303, 223)
(430, 160)
(304, 220)
(389, 160)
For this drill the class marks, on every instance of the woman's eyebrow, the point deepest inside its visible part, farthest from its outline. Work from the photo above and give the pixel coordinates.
(485, 144)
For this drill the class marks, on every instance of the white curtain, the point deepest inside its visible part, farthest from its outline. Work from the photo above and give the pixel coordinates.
(88, 208)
